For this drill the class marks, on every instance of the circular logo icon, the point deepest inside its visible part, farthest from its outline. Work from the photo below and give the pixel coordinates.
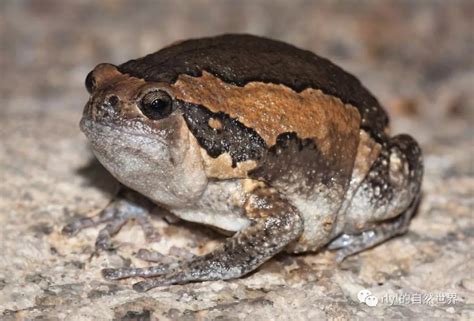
(371, 301)
(365, 296)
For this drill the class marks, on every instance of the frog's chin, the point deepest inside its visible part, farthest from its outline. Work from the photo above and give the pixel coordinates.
(161, 167)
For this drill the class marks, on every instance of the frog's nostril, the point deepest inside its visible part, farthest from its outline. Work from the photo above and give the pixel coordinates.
(108, 108)
(113, 101)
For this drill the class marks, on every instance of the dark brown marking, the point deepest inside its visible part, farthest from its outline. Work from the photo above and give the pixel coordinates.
(242, 59)
(271, 109)
(240, 142)
(325, 132)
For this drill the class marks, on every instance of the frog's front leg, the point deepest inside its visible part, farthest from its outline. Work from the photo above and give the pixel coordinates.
(274, 224)
(127, 205)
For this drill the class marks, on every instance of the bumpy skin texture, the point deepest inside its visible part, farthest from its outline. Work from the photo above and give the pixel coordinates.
(252, 136)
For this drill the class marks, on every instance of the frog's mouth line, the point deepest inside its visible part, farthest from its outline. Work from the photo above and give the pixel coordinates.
(109, 129)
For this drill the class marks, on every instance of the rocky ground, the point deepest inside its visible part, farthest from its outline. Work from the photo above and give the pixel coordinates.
(416, 56)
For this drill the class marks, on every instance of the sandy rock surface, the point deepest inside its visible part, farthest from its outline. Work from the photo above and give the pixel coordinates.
(415, 56)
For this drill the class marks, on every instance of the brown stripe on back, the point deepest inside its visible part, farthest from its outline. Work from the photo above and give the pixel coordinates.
(272, 109)
(241, 59)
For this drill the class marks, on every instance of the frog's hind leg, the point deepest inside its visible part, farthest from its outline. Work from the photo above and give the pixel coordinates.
(348, 244)
(386, 200)
(274, 224)
(128, 205)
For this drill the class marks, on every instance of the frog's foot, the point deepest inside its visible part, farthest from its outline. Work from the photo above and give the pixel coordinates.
(275, 223)
(348, 244)
(116, 214)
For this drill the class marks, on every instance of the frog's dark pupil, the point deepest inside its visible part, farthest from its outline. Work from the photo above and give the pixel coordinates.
(156, 105)
(160, 105)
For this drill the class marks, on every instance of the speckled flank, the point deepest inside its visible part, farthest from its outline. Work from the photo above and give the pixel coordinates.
(292, 155)
(313, 181)
(391, 185)
(367, 153)
(242, 59)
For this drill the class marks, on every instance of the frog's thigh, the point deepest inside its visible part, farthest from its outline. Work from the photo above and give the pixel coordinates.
(385, 201)
(275, 223)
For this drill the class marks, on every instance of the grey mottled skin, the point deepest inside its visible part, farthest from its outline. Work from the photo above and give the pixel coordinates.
(298, 195)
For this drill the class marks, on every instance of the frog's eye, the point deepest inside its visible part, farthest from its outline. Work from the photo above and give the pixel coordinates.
(156, 104)
(90, 82)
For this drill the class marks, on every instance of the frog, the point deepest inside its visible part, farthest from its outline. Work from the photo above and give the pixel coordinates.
(275, 146)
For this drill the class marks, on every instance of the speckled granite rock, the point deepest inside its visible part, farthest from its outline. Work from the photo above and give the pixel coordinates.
(416, 56)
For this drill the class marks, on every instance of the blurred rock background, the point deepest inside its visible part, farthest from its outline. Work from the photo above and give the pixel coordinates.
(415, 56)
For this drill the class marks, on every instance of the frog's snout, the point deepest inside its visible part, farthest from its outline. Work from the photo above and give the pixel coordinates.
(103, 108)
(109, 108)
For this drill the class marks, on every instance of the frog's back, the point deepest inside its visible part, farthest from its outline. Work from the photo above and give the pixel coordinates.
(244, 59)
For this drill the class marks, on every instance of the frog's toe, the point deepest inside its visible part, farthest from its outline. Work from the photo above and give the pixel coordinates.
(111, 274)
(342, 241)
(147, 285)
(103, 241)
(151, 234)
(81, 223)
(143, 286)
(70, 229)
(175, 276)
(349, 244)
